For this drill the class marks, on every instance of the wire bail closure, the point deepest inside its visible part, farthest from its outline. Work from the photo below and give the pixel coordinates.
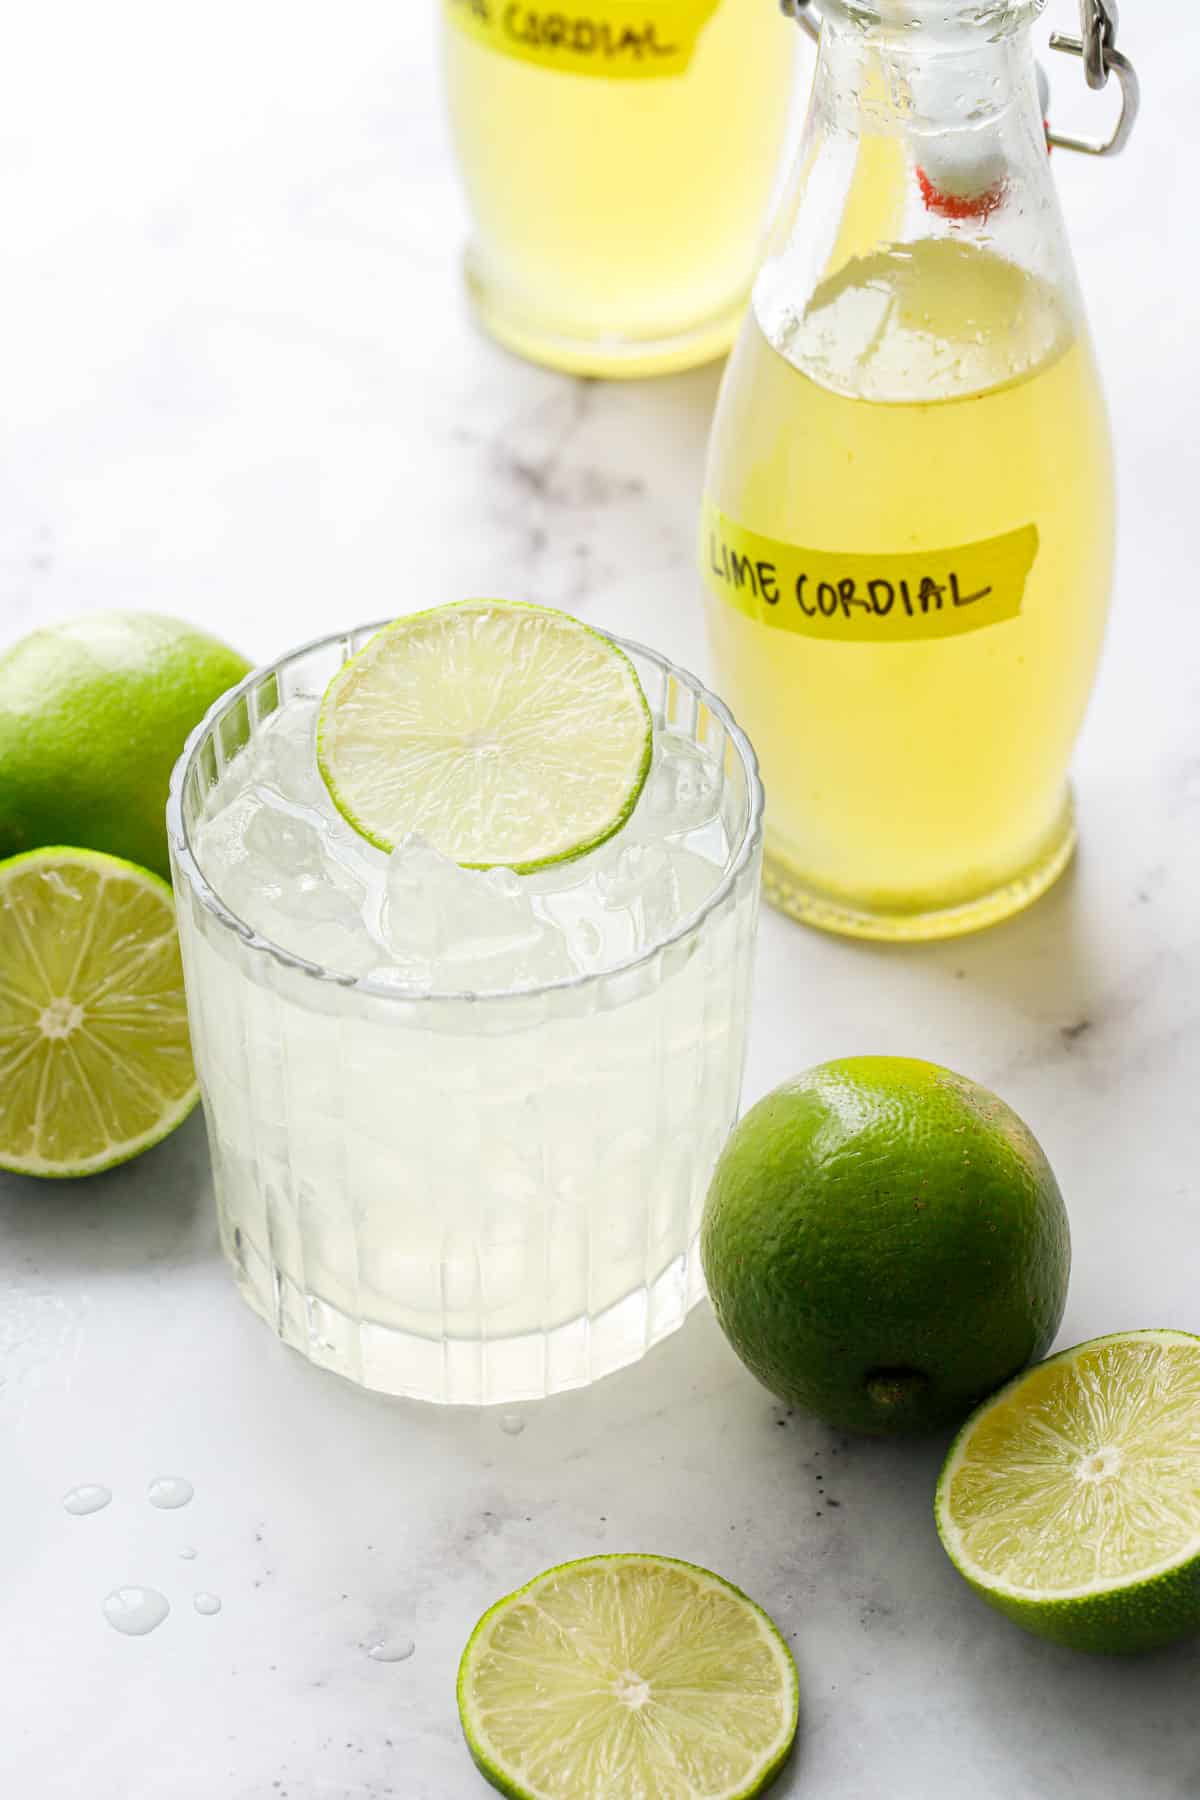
(798, 10)
(1096, 46)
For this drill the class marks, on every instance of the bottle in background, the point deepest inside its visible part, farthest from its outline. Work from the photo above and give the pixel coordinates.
(618, 157)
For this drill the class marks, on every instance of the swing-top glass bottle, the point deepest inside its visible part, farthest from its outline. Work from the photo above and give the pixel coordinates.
(908, 522)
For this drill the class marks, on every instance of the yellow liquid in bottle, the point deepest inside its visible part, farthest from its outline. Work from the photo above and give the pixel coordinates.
(935, 395)
(618, 222)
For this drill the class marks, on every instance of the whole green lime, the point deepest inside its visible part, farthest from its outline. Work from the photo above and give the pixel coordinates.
(93, 713)
(885, 1243)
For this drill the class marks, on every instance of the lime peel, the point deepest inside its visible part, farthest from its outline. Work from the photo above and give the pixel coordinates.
(884, 1243)
(93, 713)
(95, 1063)
(505, 735)
(611, 1668)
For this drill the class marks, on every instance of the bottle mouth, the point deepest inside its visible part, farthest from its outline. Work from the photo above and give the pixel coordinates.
(925, 22)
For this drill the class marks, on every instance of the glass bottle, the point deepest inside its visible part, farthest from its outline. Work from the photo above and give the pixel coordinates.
(908, 521)
(618, 157)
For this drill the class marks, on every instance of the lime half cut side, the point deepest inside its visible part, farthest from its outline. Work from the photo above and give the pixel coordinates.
(624, 1675)
(503, 735)
(1071, 1499)
(95, 1063)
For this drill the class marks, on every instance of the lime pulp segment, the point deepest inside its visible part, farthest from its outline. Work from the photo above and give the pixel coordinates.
(623, 1675)
(504, 735)
(1071, 1500)
(95, 1063)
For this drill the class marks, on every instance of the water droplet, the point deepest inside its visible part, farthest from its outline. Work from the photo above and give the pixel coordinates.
(208, 1604)
(135, 1610)
(170, 1491)
(512, 1424)
(188, 1553)
(89, 1497)
(392, 1650)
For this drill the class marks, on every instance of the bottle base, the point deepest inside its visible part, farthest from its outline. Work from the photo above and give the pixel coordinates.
(612, 358)
(787, 890)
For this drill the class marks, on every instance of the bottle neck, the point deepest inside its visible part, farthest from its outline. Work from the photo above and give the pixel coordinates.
(939, 85)
(927, 26)
(919, 248)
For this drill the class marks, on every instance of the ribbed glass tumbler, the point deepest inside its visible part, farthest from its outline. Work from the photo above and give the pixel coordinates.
(456, 1197)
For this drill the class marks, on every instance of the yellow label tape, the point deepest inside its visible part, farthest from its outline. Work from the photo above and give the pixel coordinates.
(850, 598)
(617, 40)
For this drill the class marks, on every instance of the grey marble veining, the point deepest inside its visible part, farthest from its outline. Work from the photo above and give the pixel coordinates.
(238, 384)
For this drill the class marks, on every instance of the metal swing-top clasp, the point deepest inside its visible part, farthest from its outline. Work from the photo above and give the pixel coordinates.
(798, 10)
(1096, 46)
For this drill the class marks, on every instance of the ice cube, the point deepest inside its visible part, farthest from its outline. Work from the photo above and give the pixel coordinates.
(469, 929)
(283, 843)
(436, 908)
(696, 877)
(631, 868)
(272, 866)
(340, 945)
(219, 840)
(594, 935)
(317, 900)
(291, 859)
(504, 883)
(545, 958)
(286, 754)
(492, 938)
(411, 908)
(682, 792)
(590, 940)
(641, 882)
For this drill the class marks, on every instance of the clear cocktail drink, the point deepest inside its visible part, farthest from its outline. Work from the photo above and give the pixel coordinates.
(462, 1123)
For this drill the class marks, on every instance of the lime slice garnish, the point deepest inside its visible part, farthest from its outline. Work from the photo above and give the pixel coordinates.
(95, 1064)
(1071, 1499)
(504, 735)
(628, 1675)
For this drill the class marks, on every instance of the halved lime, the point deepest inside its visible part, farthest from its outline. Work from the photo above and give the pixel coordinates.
(95, 1064)
(623, 1675)
(1071, 1499)
(504, 735)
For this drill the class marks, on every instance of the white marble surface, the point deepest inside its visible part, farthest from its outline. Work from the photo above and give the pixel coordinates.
(236, 382)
